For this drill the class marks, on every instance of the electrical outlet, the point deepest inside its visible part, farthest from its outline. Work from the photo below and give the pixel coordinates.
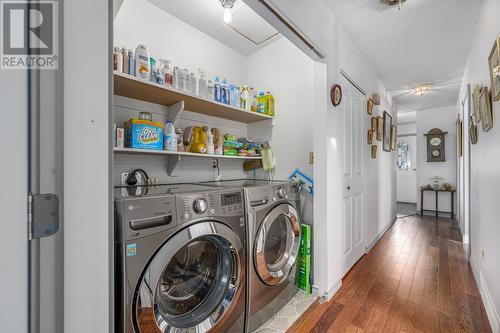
(215, 163)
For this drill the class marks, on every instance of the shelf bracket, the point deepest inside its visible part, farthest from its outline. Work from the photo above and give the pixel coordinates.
(175, 111)
(172, 164)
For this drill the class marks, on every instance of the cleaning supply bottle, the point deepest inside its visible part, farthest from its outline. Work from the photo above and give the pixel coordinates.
(262, 103)
(142, 63)
(117, 60)
(187, 80)
(270, 104)
(254, 106)
(199, 140)
(194, 83)
(210, 143)
(244, 97)
(225, 92)
(170, 137)
(217, 90)
(210, 91)
(175, 78)
(237, 97)
(267, 157)
(202, 84)
(131, 63)
(152, 69)
(232, 95)
(166, 72)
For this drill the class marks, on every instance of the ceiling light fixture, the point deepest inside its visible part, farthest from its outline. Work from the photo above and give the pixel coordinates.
(422, 89)
(227, 5)
(394, 2)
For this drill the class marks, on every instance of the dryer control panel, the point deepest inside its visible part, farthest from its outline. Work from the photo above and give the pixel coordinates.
(259, 198)
(218, 203)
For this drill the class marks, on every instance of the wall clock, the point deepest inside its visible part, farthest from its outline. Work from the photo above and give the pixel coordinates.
(436, 145)
(336, 95)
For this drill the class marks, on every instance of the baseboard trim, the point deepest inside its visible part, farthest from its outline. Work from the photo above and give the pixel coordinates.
(327, 295)
(491, 312)
(370, 246)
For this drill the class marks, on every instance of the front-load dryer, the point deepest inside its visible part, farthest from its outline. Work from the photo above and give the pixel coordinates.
(274, 231)
(180, 264)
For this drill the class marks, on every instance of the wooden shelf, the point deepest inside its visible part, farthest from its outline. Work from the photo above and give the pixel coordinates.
(133, 87)
(133, 151)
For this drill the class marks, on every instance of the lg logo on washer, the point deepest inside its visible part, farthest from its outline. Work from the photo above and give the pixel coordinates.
(29, 34)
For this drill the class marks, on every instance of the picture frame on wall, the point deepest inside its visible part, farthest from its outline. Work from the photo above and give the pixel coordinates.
(476, 99)
(374, 124)
(494, 65)
(374, 151)
(460, 145)
(486, 113)
(386, 137)
(380, 128)
(370, 137)
(394, 137)
(369, 106)
(472, 132)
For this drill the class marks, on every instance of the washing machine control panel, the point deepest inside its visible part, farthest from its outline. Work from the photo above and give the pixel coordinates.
(221, 203)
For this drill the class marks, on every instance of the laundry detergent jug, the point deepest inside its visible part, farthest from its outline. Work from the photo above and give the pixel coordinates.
(199, 140)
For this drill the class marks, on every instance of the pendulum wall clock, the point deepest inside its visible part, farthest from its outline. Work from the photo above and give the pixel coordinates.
(436, 145)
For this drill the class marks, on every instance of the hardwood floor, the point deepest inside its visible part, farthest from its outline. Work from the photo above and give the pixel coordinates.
(416, 279)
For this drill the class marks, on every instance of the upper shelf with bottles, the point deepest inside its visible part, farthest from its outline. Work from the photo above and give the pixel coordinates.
(133, 87)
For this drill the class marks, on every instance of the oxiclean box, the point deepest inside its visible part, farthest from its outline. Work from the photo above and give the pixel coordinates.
(144, 134)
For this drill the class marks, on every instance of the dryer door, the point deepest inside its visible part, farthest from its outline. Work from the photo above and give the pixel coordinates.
(277, 244)
(192, 282)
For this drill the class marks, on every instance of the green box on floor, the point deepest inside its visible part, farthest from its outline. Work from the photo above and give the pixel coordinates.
(304, 260)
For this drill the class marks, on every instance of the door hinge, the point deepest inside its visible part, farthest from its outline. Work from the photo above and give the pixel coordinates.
(43, 215)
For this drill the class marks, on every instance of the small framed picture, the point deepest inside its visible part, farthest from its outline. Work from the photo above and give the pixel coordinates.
(386, 137)
(370, 137)
(472, 132)
(374, 151)
(476, 99)
(394, 137)
(494, 64)
(374, 124)
(486, 113)
(336, 95)
(369, 106)
(380, 128)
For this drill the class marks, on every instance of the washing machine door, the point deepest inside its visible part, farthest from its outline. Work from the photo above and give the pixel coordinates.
(277, 244)
(193, 281)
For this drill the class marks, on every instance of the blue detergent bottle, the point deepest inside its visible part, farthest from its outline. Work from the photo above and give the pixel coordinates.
(217, 91)
(225, 92)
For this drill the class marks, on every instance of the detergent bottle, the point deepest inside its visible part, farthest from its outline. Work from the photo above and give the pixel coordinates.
(217, 90)
(199, 140)
(262, 103)
(270, 104)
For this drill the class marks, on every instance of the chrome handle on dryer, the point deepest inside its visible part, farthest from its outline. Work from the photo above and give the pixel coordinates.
(257, 203)
(236, 266)
(150, 222)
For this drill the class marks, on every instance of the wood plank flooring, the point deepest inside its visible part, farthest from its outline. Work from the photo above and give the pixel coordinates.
(416, 279)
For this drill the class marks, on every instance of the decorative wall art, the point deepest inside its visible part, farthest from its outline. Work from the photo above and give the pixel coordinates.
(369, 106)
(386, 137)
(374, 124)
(460, 143)
(380, 128)
(376, 99)
(486, 113)
(494, 64)
(336, 95)
(436, 145)
(476, 99)
(370, 137)
(472, 131)
(374, 151)
(394, 137)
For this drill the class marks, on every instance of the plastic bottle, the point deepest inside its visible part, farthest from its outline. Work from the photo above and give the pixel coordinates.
(187, 80)
(245, 97)
(262, 103)
(237, 97)
(131, 63)
(202, 84)
(194, 83)
(254, 106)
(225, 92)
(117, 60)
(181, 85)
(210, 90)
(153, 69)
(232, 95)
(210, 143)
(124, 60)
(217, 91)
(170, 137)
(175, 78)
(167, 72)
(142, 64)
(270, 104)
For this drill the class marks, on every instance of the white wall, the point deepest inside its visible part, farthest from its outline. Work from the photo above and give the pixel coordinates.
(405, 129)
(485, 173)
(88, 269)
(291, 84)
(443, 118)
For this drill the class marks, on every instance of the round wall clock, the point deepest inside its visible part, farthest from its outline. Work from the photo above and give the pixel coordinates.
(336, 95)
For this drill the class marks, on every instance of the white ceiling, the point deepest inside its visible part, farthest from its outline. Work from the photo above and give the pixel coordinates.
(427, 41)
(207, 16)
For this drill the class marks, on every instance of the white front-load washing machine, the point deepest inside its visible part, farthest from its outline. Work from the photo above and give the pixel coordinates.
(180, 259)
(274, 230)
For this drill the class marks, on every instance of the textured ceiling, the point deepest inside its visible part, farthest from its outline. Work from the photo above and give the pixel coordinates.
(206, 16)
(425, 41)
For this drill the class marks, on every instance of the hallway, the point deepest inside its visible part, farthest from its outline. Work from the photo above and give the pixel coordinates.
(416, 279)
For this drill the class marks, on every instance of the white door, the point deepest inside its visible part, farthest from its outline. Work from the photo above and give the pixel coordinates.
(407, 171)
(354, 115)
